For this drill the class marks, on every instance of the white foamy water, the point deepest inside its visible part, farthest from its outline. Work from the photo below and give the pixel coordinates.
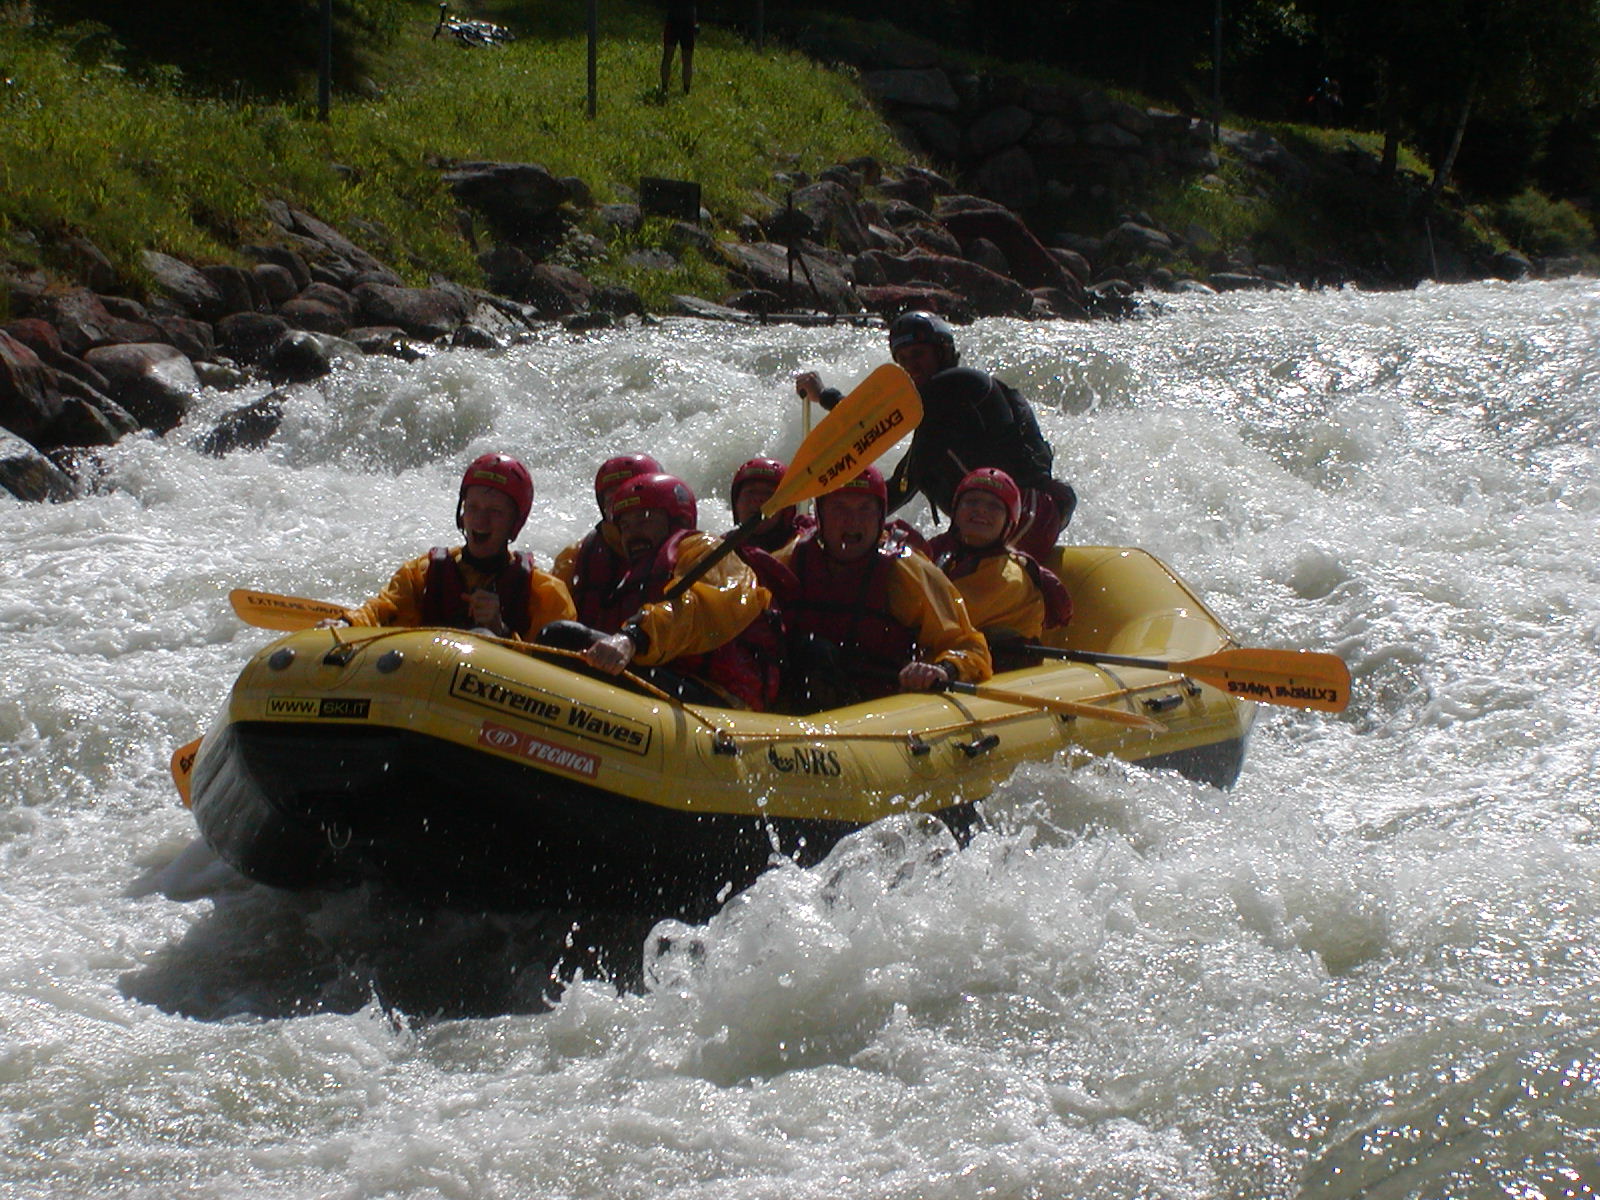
(1368, 970)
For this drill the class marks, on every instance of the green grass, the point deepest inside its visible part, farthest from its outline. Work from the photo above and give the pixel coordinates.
(136, 163)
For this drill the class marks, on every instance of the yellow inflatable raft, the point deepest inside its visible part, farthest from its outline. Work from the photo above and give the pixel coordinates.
(475, 772)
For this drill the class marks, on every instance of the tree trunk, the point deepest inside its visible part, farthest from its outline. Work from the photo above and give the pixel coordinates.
(1441, 173)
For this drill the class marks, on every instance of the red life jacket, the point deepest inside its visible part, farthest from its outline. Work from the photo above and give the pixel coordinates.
(597, 569)
(444, 591)
(746, 666)
(956, 559)
(848, 604)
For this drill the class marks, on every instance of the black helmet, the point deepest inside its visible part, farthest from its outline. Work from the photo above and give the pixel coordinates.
(916, 326)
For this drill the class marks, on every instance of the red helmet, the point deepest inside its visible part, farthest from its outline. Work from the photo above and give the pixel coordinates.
(768, 469)
(505, 475)
(999, 485)
(870, 481)
(614, 472)
(666, 492)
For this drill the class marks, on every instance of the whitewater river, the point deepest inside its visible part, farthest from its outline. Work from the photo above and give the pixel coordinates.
(1369, 970)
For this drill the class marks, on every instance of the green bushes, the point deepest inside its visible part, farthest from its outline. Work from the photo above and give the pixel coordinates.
(1539, 225)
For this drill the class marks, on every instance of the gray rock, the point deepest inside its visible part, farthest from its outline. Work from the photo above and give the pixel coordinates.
(275, 282)
(617, 300)
(650, 259)
(927, 88)
(235, 285)
(302, 355)
(29, 400)
(195, 339)
(625, 218)
(934, 132)
(1131, 240)
(835, 215)
(765, 265)
(88, 264)
(248, 336)
(153, 381)
(246, 428)
(990, 294)
(1010, 177)
(515, 198)
(184, 286)
(320, 308)
(282, 256)
(29, 475)
(997, 129)
(82, 320)
(422, 312)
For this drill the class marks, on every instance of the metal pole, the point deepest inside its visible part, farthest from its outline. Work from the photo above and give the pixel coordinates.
(325, 63)
(594, 55)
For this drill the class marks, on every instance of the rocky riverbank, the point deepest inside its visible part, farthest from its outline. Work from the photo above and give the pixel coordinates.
(85, 360)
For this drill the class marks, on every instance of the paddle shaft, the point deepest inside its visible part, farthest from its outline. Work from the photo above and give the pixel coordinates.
(1069, 708)
(1294, 678)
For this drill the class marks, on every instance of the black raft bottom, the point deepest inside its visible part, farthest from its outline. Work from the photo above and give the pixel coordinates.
(308, 807)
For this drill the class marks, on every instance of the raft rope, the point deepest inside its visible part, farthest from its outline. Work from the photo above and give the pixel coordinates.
(724, 736)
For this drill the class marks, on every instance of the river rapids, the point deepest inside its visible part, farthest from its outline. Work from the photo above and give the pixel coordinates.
(1368, 970)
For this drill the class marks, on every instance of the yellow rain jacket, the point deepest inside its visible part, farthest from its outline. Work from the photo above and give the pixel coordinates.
(404, 602)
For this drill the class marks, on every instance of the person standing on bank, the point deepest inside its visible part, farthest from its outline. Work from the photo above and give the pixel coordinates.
(481, 585)
(678, 31)
(971, 420)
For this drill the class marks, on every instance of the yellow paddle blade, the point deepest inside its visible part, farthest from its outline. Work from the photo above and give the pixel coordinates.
(182, 766)
(881, 409)
(1294, 678)
(878, 412)
(1069, 708)
(284, 613)
(1297, 678)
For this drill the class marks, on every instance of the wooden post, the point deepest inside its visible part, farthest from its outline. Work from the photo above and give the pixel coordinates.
(594, 55)
(1216, 74)
(325, 63)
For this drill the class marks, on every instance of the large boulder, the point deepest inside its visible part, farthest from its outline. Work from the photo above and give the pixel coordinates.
(430, 312)
(516, 198)
(927, 88)
(29, 400)
(329, 255)
(1032, 265)
(83, 320)
(247, 337)
(184, 287)
(246, 428)
(890, 300)
(765, 266)
(284, 258)
(321, 308)
(835, 215)
(153, 381)
(29, 475)
(302, 355)
(990, 294)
